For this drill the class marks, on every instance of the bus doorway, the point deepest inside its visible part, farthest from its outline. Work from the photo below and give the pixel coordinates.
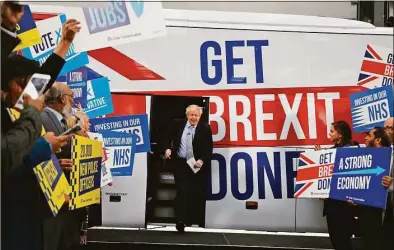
(166, 118)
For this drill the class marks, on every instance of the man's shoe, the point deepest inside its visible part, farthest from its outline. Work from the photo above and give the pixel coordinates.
(180, 227)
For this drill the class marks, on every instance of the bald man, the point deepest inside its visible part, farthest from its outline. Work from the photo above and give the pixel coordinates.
(60, 232)
(389, 128)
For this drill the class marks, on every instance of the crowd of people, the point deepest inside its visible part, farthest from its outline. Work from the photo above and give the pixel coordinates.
(344, 218)
(26, 220)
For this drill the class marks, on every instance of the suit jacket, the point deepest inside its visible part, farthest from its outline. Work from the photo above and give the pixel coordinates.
(52, 124)
(202, 143)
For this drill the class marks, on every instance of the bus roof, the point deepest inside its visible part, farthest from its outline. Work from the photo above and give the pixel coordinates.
(253, 21)
(268, 21)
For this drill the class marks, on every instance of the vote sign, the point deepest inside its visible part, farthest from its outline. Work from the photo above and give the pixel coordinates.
(133, 124)
(314, 174)
(51, 34)
(358, 174)
(371, 108)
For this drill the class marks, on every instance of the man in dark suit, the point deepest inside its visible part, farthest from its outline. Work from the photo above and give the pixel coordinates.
(370, 217)
(191, 150)
(60, 232)
(388, 223)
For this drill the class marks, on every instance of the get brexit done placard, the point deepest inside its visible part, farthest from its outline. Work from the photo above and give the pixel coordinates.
(314, 174)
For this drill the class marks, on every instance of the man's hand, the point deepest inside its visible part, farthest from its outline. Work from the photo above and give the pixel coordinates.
(317, 147)
(167, 154)
(66, 164)
(70, 28)
(198, 164)
(57, 142)
(66, 198)
(351, 203)
(386, 181)
(37, 103)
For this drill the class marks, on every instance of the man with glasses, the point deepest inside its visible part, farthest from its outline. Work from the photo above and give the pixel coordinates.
(62, 231)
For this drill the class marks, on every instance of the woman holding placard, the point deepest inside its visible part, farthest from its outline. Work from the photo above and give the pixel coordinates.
(340, 214)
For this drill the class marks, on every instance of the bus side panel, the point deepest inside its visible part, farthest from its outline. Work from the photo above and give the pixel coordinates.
(309, 216)
(252, 174)
(130, 211)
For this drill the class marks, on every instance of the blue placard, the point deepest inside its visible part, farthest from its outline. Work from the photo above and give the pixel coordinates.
(371, 108)
(79, 91)
(358, 174)
(120, 149)
(98, 98)
(134, 124)
(82, 74)
(51, 31)
(95, 175)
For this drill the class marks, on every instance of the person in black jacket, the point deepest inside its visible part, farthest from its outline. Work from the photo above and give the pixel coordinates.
(371, 218)
(192, 141)
(22, 149)
(340, 214)
(62, 231)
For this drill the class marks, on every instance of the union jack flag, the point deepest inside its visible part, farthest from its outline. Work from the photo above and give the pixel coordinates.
(374, 68)
(308, 172)
(304, 164)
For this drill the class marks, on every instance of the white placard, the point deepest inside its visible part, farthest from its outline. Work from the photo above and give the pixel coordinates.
(116, 24)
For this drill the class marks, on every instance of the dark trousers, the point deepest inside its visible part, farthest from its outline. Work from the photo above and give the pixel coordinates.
(371, 227)
(62, 232)
(388, 229)
(190, 196)
(340, 223)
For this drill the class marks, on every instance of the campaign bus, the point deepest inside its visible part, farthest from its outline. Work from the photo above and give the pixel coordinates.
(270, 85)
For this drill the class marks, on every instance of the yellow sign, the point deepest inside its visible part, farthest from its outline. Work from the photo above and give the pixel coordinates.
(53, 183)
(50, 177)
(86, 175)
(27, 30)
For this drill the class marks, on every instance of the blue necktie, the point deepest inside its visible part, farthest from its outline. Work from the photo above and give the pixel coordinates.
(189, 143)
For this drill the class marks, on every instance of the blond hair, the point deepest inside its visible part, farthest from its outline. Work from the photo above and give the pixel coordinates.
(193, 106)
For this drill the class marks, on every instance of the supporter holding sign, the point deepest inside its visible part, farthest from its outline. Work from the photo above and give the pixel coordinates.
(388, 223)
(371, 217)
(339, 214)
